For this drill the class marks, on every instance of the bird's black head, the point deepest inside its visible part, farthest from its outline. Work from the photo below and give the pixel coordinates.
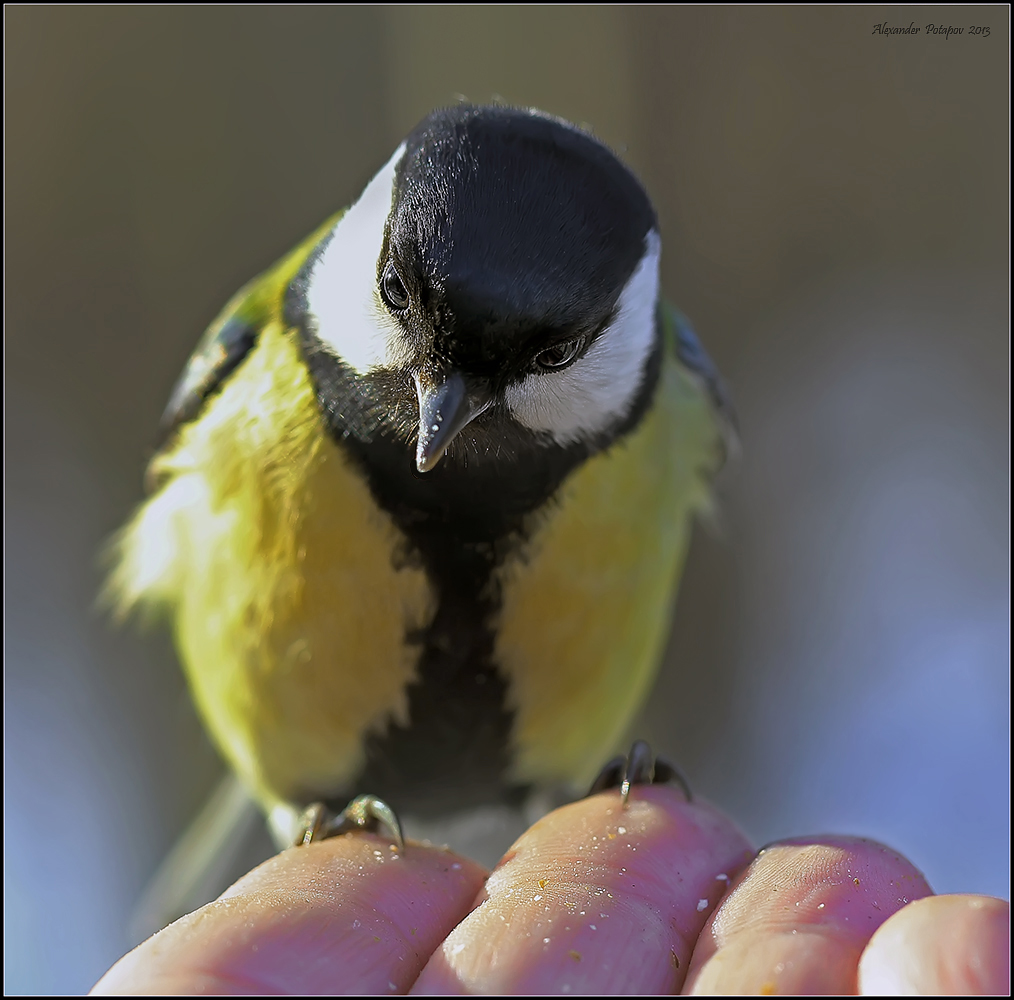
(510, 232)
(503, 269)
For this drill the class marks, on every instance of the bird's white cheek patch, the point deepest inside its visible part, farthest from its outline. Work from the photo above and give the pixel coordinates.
(342, 297)
(599, 388)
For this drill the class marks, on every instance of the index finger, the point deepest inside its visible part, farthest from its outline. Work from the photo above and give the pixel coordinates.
(345, 915)
(595, 898)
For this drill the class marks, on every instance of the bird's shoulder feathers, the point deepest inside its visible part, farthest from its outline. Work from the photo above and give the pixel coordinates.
(233, 333)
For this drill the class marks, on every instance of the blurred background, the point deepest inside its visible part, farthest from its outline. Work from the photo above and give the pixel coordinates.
(834, 208)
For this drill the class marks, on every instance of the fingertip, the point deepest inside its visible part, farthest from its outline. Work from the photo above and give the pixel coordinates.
(942, 944)
(595, 898)
(345, 914)
(797, 919)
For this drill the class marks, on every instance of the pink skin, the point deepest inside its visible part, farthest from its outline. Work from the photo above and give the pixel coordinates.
(941, 944)
(799, 917)
(594, 898)
(347, 915)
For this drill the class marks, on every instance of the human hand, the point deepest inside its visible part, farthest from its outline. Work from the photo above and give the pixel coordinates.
(664, 896)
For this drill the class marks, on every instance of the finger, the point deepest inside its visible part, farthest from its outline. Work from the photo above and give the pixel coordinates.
(595, 899)
(943, 944)
(345, 915)
(799, 917)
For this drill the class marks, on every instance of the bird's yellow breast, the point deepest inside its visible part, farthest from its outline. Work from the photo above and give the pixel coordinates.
(290, 589)
(293, 593)
(586, 605)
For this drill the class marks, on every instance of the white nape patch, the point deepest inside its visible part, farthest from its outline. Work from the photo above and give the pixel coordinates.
(342, 295)
(600, 387)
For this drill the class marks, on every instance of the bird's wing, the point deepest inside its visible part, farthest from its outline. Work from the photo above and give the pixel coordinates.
(232, 335)
(691, 353)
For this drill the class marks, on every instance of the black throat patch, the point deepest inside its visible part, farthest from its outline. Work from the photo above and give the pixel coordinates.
(509, 232)
(460, 522)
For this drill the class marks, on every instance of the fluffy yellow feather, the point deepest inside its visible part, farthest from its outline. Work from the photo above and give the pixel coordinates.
(263, 542)
(587, 608)
(290, 627)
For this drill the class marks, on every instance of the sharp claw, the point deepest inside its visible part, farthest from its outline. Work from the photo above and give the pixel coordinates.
(668, 773)
(639, 767)
(365, 812)
(310, 823)
(609, 777)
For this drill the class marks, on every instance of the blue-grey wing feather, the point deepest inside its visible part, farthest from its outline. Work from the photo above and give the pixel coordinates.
(692, 354)
(221, 349)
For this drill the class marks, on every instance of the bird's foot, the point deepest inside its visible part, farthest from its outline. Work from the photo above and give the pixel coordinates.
(365, 813)
(639, 767)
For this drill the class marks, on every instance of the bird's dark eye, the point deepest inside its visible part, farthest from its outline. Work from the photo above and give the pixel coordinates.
(560, 355)
(392, 288)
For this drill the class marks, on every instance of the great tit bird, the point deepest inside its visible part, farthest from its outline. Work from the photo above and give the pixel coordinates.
(427, 484)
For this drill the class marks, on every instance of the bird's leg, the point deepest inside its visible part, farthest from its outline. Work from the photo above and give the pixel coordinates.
(639, 767)
(365, 813)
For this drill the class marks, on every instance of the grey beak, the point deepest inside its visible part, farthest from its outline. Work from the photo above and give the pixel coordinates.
(447, 403)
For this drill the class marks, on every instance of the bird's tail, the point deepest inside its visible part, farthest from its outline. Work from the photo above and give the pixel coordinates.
(217, 847)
